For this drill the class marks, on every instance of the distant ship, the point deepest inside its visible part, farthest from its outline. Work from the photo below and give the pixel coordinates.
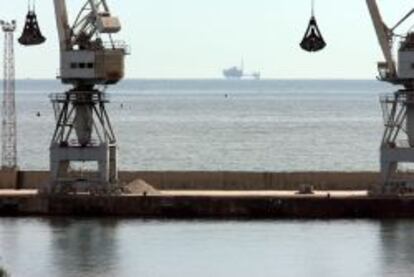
(237, 73)
(233, 73)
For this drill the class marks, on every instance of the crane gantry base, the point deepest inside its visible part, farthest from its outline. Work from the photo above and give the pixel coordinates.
(397, 145)
(79, 112)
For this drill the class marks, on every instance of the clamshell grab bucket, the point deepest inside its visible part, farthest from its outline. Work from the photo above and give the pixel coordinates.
(31, 33)
(313, 40)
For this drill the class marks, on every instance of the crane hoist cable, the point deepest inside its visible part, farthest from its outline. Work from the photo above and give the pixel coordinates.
(31, 33)
(313, 40)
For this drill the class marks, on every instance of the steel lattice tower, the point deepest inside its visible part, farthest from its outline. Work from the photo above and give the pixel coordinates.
(9, 148)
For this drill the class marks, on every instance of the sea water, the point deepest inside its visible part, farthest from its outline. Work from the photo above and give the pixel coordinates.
(269, 125)
(114, 247)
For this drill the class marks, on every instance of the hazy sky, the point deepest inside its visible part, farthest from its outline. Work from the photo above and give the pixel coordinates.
(198, 38)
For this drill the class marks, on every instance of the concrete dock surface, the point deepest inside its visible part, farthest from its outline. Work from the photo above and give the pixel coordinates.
(257, 193)
(219, 193)
(24, 192)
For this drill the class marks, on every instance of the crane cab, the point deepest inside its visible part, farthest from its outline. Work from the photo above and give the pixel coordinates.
(406, 58)
(100, 66)
(108, 24)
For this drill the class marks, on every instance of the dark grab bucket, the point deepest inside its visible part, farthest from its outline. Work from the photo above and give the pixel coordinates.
(31, 32)
(313, 40)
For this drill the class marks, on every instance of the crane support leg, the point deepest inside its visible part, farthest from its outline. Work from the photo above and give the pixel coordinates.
(84, 135)
(398, 141)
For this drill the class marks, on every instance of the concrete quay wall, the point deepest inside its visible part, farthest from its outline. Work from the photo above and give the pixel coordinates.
(234, 207)
(191, 180)
(214, 207)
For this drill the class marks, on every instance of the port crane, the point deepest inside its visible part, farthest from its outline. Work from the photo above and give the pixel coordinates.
(90, 60)
(398, 108)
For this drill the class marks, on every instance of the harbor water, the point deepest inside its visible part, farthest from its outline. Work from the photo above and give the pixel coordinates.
(273, 125)
(110, 247)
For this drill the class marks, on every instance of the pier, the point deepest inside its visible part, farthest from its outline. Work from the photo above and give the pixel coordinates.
(216, 195)
(211, 205)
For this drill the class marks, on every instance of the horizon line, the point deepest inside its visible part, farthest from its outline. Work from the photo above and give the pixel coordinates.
(214, 79)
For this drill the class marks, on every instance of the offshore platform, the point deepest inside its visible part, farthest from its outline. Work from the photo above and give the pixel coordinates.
(238, 73)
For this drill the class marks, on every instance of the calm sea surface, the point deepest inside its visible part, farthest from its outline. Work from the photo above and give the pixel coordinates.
(216, 125)
(93, 247)
(192, 125)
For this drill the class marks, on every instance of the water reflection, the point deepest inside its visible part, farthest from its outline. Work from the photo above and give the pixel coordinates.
(397, 243)
(9, 241)
(84, 247)
(112, 247)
